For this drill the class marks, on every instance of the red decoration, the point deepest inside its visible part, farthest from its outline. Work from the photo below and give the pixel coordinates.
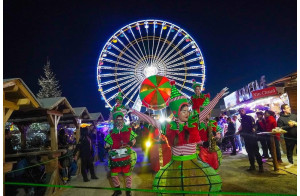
(172, 82)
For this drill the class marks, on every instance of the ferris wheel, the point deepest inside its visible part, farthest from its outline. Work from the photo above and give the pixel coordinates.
(145, 48)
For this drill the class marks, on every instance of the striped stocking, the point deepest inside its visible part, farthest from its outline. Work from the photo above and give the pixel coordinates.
(115, 180)
(128, 181)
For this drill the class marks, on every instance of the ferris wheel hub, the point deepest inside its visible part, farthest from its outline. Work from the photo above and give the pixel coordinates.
(150, 71)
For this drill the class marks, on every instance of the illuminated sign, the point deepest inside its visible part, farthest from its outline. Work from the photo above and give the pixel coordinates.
(264, 92)
(244, 93)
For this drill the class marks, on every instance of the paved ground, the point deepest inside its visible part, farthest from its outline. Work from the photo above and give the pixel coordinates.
(234, 176)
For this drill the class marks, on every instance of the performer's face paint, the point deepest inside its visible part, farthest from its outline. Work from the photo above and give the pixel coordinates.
(197, 91)
(184, 114)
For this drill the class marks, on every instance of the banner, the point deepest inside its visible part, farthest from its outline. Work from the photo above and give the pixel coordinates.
(264, 92)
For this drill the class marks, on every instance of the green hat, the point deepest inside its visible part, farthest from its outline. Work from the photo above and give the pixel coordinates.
(119, 96)
(195, 84)
(176, 100)
(117, 113)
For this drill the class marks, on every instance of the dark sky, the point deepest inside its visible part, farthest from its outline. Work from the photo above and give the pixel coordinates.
(240, 40)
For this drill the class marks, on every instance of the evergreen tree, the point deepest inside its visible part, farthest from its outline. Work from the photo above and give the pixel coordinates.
(49, 84)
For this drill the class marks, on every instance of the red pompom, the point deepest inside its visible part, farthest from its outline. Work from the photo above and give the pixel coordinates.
(193, 80)
(172, 82)
(119, 90)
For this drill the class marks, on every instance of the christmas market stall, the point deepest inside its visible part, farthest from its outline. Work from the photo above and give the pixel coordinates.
(38, 126)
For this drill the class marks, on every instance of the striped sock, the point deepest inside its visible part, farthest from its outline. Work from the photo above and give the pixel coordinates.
(128, 181)
(115, 180)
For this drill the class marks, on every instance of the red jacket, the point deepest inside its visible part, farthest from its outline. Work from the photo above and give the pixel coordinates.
(271, 124)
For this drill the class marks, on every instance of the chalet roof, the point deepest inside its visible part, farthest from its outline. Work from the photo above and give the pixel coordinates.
(52, 103)
(16, 89)
(95, 116)
(79, 111)
(284, 79)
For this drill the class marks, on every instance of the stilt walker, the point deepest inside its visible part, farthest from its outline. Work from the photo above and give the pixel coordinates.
(119, 142)
(209, 152)
(184, 172)
(118, 106)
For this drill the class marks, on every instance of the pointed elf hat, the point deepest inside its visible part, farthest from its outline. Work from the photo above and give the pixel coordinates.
(176, 100)
(195, 84)
(119, 96)
(117, 113)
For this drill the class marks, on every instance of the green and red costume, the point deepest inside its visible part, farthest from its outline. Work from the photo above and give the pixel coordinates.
(212, 158)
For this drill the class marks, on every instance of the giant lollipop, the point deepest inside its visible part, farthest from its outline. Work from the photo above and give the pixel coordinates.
(155, 92)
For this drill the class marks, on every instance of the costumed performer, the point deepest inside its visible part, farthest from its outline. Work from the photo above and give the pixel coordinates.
(119, 142)
(184, 172)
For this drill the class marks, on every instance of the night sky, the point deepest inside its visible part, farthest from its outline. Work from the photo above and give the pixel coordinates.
(240, 40)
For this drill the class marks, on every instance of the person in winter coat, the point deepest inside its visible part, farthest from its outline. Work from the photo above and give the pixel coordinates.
(248, 133)
(86, 154)
(288, 122)
(272, 124)
(230, 135)
(261, 127)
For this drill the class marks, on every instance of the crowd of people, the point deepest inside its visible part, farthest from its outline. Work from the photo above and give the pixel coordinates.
(255, 132)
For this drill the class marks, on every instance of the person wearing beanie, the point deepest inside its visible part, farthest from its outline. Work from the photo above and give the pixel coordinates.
(119, 142)
(199, 100)
(183, 137)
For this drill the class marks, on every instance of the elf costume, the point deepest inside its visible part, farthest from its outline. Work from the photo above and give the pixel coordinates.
(119, 140)
(210, 154)
(199, 102)
(184, 171)
(118, 106)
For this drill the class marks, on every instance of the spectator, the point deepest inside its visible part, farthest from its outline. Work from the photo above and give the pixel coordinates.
(272, 124)
(86, 154)
(263, 138)
(229, 135)
(288, 122)
(237, 125)
(248, 133)
(101, 147)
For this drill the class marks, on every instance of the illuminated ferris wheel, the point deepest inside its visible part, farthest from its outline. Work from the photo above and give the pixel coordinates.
(145, 48)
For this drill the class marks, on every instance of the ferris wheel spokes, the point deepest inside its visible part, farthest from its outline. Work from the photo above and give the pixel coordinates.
(118, 86)
(180, 58)
(118, 63)
(177, 53)
(158, 57)
(128, 49)
(116, 80)
(133, 94)
(169, 45)
(185, 68)
(139, 29)
(123, 53)
(118, 56)
(185, 62)
(130, 43)
(137, 43)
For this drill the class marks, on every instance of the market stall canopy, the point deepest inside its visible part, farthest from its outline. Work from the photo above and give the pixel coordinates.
(80, 113)
(17, 95)
(55, 106)
(94, 118)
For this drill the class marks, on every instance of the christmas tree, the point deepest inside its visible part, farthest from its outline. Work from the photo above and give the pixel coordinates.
(49, 84)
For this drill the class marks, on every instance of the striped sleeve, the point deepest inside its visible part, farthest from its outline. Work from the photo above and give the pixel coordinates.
(210, 106)
(146, 118)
